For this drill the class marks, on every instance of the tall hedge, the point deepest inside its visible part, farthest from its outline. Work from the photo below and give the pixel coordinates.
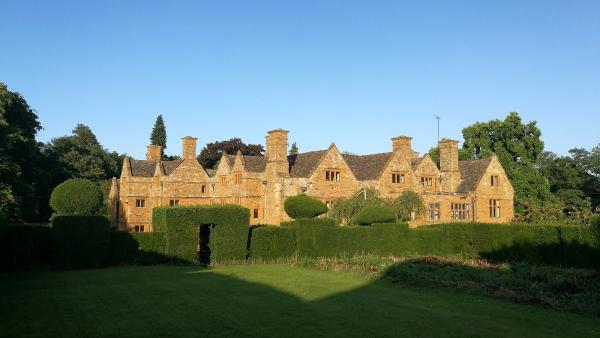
(144, 248)
(80, 241)
(76, 197)
(229, 232)
(272, 243)
(303, 206)
(24, 247)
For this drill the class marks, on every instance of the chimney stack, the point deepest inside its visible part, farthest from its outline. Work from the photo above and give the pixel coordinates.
(188, 145)
(449, 164)
(404, 144)
(153, 152)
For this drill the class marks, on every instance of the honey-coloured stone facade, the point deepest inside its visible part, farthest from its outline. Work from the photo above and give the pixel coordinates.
(454, 191)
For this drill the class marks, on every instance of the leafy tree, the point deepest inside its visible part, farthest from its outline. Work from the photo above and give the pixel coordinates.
(19, 155)
(81, 156)
(407, 205)
(518, 147)
(344, 209)
(158, 136)
(294, 149)
(211, 154)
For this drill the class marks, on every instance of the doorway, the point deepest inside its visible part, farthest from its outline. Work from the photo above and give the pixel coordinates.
(204, 244)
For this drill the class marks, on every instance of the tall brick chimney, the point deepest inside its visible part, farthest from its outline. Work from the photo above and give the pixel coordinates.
(449, 164)
(404, 144)
(153, 153)
(188, 145)
(277, 151)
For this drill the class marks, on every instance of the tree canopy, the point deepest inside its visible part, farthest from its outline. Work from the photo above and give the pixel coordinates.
(211, 154)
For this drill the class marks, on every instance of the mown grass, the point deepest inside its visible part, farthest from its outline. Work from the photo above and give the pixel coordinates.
(258, 300)
(574, 290)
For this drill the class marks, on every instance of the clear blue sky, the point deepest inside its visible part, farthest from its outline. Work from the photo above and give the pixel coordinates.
(353, 72)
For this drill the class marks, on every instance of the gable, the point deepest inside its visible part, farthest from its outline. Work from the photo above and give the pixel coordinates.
(494, 168)
(188, 170)
(425, 166)
(333, 159)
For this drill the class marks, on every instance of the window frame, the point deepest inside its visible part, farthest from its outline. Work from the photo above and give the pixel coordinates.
(174, 202)
(140, 203)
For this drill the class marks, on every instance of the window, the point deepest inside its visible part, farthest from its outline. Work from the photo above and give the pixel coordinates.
(460, 211)
(238, 200)
(203, 189)
(434, 211)
(397, 178)
(138, 228)
(255, 214)
(223, 201)
(223, 180)
(329, 204)
(426, 181)
(494, 181)
(494, 208)
(174, 203)
(332, 176)
(140, 203)
(238, 179)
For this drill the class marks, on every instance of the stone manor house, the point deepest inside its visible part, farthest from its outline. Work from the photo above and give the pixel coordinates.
(454, 191)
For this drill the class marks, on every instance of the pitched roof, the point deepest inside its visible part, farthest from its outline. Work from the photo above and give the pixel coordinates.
(415, 162)
(367, 167)
(145, 168)
(255, 164)
(471, 172)
(303, 164)
(142, 168)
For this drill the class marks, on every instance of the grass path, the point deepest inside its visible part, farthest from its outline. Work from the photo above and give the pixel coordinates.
(258, 300)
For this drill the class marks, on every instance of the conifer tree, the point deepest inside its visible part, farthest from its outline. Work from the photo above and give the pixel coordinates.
(159, 134)
(294, 149)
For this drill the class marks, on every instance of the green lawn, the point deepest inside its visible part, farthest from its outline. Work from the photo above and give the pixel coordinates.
(258, 300)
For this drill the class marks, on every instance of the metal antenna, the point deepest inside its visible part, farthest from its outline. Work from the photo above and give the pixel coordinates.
(438, 121)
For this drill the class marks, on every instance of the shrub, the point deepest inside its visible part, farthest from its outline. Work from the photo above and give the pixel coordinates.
(326, 222)
(144, 248)
(272, 243)
(24, 247)
(375, 214)
(80, 241)
(76, 197)
(228, 235)
(344, 209)
(302, 206)
(595, 227)
(407, 205)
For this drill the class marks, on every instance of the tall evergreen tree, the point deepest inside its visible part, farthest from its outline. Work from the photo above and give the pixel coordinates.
(294, 149)
(159, 134)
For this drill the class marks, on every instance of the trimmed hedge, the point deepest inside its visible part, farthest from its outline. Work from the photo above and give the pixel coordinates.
(328, 222)
(374, 213)
(80, 241)
(144, 248)
(555, 245)
(303, 206)
(272, 243)
(228, 238)
(76, 197)
(24, 247)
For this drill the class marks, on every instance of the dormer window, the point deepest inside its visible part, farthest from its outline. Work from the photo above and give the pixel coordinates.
(332, 176)
(397, 178)
(139, 203)
(203, 189)
(494, 181)
(238, 179)
(223, 180)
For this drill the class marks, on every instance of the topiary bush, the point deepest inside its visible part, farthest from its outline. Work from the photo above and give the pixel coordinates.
(303, 206)
(375, 214)
(76, 197)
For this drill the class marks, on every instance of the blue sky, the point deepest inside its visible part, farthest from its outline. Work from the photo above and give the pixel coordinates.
(353, 72)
